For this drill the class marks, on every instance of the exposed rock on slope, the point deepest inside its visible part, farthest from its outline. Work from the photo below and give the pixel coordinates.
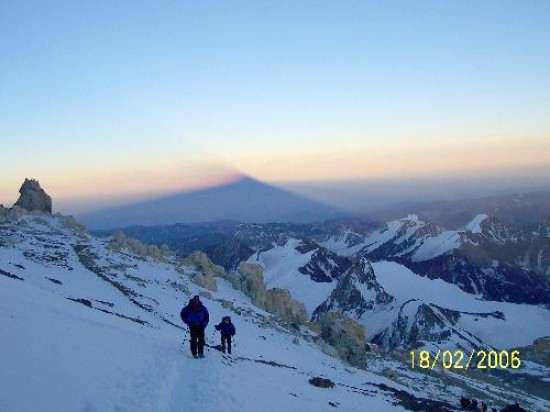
(250, 279)
(120, 242)
(205, 271)
(346, 335)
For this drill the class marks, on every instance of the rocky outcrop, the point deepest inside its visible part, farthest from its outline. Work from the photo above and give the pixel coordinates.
(346, 336)
(280, 302)
(204, 271)
(33, 197)
(119, 241)
(250, 279)
(11, 213)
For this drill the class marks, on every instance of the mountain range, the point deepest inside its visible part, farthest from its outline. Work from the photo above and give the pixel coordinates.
(92, 324)
(521, 209)
(348, 304)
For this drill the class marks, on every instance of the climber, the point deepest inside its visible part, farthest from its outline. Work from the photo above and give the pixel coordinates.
(196, 317)
(227, 330)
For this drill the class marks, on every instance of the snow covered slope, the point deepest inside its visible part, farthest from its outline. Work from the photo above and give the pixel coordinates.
(399, 308)
(85, 328)
(486, 258)
(498, 324)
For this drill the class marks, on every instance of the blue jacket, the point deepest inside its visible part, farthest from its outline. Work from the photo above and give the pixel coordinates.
(226, 328)
(195, 314)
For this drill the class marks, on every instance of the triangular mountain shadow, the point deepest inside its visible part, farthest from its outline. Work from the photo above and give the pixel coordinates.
(245, 200)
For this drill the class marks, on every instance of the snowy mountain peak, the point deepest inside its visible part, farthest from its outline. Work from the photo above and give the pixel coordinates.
(412, 218)
(475, 225)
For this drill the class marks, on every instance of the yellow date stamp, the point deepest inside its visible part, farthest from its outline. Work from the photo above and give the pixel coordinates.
(458, 359)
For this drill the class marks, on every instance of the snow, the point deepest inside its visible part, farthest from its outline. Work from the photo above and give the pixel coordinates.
(425, 247)
(281, 264)
(475, 225)
(59, 355)
(411, 223)
(514, 331)
(432, 247)
(378, 238)
(340, 245)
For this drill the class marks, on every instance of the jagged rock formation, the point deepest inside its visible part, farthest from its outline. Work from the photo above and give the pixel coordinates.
(205, 272)
(250, 279)
(346, 335)
(356, 292)
(280, 302)
(33, 197)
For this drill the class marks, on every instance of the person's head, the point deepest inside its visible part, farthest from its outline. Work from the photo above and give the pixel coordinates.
(226, 319)
(195, 301)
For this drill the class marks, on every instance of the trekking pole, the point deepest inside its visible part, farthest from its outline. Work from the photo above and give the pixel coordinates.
(185, 339)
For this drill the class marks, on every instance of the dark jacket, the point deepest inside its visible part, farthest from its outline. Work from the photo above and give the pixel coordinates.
(226, 328)
(195, 313)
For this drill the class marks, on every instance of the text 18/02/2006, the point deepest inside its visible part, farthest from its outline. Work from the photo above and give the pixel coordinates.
(458, 359)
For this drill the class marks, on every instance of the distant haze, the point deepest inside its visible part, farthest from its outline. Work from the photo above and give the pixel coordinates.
(362, 196)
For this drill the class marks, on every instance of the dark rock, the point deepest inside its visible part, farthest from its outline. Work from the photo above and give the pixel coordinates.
(321, 382)
(350, 294)
(33, 197)
(10, 275)
(324, 265)
(85, 302)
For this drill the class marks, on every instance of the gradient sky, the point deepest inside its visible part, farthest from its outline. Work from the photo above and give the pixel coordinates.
(114, 99)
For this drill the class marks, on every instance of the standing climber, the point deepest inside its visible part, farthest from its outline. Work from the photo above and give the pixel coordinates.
(196, 317)
(227, 330)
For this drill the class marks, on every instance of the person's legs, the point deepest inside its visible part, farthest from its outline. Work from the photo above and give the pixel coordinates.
(200, 341)
(229, 344)
(194, 339)
(223, 343)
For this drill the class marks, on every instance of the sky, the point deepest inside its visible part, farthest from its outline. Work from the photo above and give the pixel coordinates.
(108, 101)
